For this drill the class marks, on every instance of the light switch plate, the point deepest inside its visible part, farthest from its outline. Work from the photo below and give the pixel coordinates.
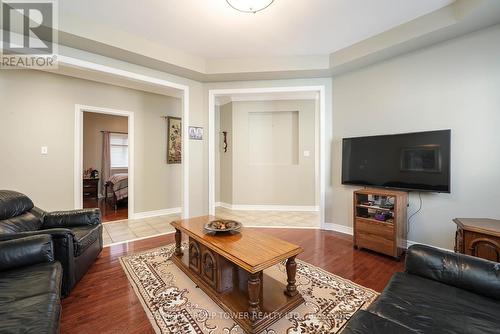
(44, 150)
(307, 153)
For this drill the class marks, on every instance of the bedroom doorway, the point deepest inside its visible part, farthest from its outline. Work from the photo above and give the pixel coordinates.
(106, 160)
(105, 164)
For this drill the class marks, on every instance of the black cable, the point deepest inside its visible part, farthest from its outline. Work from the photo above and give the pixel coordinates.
(408, 224)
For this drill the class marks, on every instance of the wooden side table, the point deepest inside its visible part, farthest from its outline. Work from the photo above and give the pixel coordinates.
(90, 188)
(478, 237)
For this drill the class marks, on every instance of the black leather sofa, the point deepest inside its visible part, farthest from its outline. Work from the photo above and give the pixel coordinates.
(76, 234)
(30, 286)
(439, 292)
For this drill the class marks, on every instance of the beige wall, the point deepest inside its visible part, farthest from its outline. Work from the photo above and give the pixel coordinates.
(265, 164)
(38, 110)
(158, 184)
(225, 159)
(453, 85)
(93, 125)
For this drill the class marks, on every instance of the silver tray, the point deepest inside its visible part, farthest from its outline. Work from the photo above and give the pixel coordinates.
(236, 227)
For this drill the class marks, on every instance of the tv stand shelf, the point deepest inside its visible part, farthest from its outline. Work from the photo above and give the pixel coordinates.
(373, 207)
(385, 233)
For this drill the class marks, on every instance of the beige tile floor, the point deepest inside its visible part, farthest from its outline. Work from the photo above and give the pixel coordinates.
(128, 230)
(270, 218)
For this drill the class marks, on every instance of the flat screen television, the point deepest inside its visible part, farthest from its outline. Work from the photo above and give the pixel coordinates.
(411, 161)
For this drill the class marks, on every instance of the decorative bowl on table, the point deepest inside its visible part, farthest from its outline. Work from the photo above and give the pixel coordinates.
(222, 225)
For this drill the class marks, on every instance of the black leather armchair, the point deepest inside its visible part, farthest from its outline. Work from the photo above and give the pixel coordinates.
(439, 292)
(30, 286)
(77, 234)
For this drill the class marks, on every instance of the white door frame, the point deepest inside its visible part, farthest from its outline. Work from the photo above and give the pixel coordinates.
(213, 93)
(90, 66)
(79, 110)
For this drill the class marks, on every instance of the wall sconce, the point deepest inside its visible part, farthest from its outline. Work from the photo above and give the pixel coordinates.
(224, 145)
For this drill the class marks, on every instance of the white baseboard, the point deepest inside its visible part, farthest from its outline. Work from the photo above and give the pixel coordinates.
(244, 207)
(223, 205)
(339, 228)
(156, 213)
(411, 243)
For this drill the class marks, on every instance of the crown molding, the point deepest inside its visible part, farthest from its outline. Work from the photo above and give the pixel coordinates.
(283, 96)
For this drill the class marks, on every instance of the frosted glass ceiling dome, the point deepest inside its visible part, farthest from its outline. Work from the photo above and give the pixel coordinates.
(250, 6)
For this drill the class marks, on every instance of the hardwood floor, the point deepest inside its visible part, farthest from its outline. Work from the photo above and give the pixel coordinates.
(108, 211)
(104, 302)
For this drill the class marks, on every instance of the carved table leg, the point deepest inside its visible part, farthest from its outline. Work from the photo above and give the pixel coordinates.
(291, 270)
(253, 295)
(178, 239)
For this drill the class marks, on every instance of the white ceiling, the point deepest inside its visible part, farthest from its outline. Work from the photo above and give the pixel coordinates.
(211, 29)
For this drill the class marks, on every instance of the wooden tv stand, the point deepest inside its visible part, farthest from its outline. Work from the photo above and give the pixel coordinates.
(387, 237)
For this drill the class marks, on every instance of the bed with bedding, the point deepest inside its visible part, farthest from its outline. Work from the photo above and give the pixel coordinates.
(118, 185)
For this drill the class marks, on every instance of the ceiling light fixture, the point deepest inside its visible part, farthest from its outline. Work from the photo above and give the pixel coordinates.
(250, 6)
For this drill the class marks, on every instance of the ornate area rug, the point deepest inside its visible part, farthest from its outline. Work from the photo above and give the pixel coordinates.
(174, 304)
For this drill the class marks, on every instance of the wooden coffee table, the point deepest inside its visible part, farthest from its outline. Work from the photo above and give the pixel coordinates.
(229, 267)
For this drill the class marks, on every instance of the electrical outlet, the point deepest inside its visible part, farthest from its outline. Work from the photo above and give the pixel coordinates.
(307, 153)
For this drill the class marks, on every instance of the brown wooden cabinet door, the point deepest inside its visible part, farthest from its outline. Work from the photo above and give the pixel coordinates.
(209, 268)
(483, 246)
(194, 256)
(485, 249)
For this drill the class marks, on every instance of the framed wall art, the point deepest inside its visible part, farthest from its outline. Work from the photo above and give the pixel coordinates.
(174, 140)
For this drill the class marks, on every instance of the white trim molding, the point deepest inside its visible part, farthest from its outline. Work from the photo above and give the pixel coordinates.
(321, 121)
(156, 213)
(90, 66)
(410, 243)
(247, 207)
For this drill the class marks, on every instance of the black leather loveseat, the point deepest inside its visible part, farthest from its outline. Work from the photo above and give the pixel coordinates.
(30, 286)
(439, 292)
(77, 234)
